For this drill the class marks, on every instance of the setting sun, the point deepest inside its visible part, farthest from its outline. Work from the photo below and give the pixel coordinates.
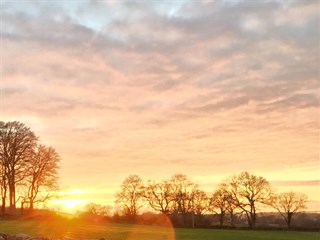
(68, 205)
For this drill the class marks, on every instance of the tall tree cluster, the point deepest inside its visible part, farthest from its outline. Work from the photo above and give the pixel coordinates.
(244, 194)
(26, 167)
(177, 195)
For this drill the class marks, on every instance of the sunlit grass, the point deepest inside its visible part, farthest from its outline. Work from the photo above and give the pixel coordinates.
(80, 230)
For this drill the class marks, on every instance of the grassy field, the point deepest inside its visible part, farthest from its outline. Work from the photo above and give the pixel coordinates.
(78, 230)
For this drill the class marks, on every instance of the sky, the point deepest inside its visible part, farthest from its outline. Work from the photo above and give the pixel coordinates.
(154, 88)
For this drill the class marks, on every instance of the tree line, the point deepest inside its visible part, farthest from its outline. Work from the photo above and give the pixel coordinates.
(29, 172)
(182, 200)
(28, 169)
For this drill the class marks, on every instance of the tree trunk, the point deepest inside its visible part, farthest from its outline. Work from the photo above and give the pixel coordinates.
(253, 220)
(289, 219)
(12, 197)
(3, 194)
(22, 205)
(221, 219)
(232, 219)
(249, 219)
(3, 206)
(252, 216)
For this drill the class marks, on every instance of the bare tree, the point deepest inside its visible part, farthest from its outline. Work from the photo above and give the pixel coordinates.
(223, 201)
(219, 201)
(42, 175)
(160, 196)
(182, 191)
(288, 204)
(16, 147)
(248, 192)
(130, 196)
(231, 209)
(95, 209)
(200, 201)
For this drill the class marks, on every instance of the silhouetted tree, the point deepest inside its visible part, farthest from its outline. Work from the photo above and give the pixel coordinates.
(130, 196)
(42, 175)
(199, 203)
(17, 142)
(288, 204)
(3, 187)
(223, 201)
(159, 196)
(182, 188)
(231, 209)
(97, 209)
(219, 201)
(248, 191)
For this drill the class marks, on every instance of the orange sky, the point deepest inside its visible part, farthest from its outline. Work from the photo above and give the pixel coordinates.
(206, 88)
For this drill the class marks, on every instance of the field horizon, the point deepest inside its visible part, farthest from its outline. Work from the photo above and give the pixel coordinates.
(81, 230)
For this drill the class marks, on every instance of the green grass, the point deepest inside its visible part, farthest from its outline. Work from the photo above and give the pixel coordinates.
(78, 230)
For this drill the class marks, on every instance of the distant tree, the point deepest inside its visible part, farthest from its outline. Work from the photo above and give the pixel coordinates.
(159, 196)
(248, 192)
(17, 142)
(199, 203)
(223, 201)
(219, 201)
(288, 204)
(95, 209)
(130, 196)
(42, 175)
(182, 188)
(231, 209)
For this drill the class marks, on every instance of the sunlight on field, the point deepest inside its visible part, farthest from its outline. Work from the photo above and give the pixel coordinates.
(81, 230)
(166, 232)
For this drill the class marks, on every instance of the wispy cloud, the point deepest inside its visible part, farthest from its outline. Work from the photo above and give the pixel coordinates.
(297, 183)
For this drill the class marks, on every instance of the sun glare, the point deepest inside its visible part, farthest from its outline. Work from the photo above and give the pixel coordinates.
(68, 205)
